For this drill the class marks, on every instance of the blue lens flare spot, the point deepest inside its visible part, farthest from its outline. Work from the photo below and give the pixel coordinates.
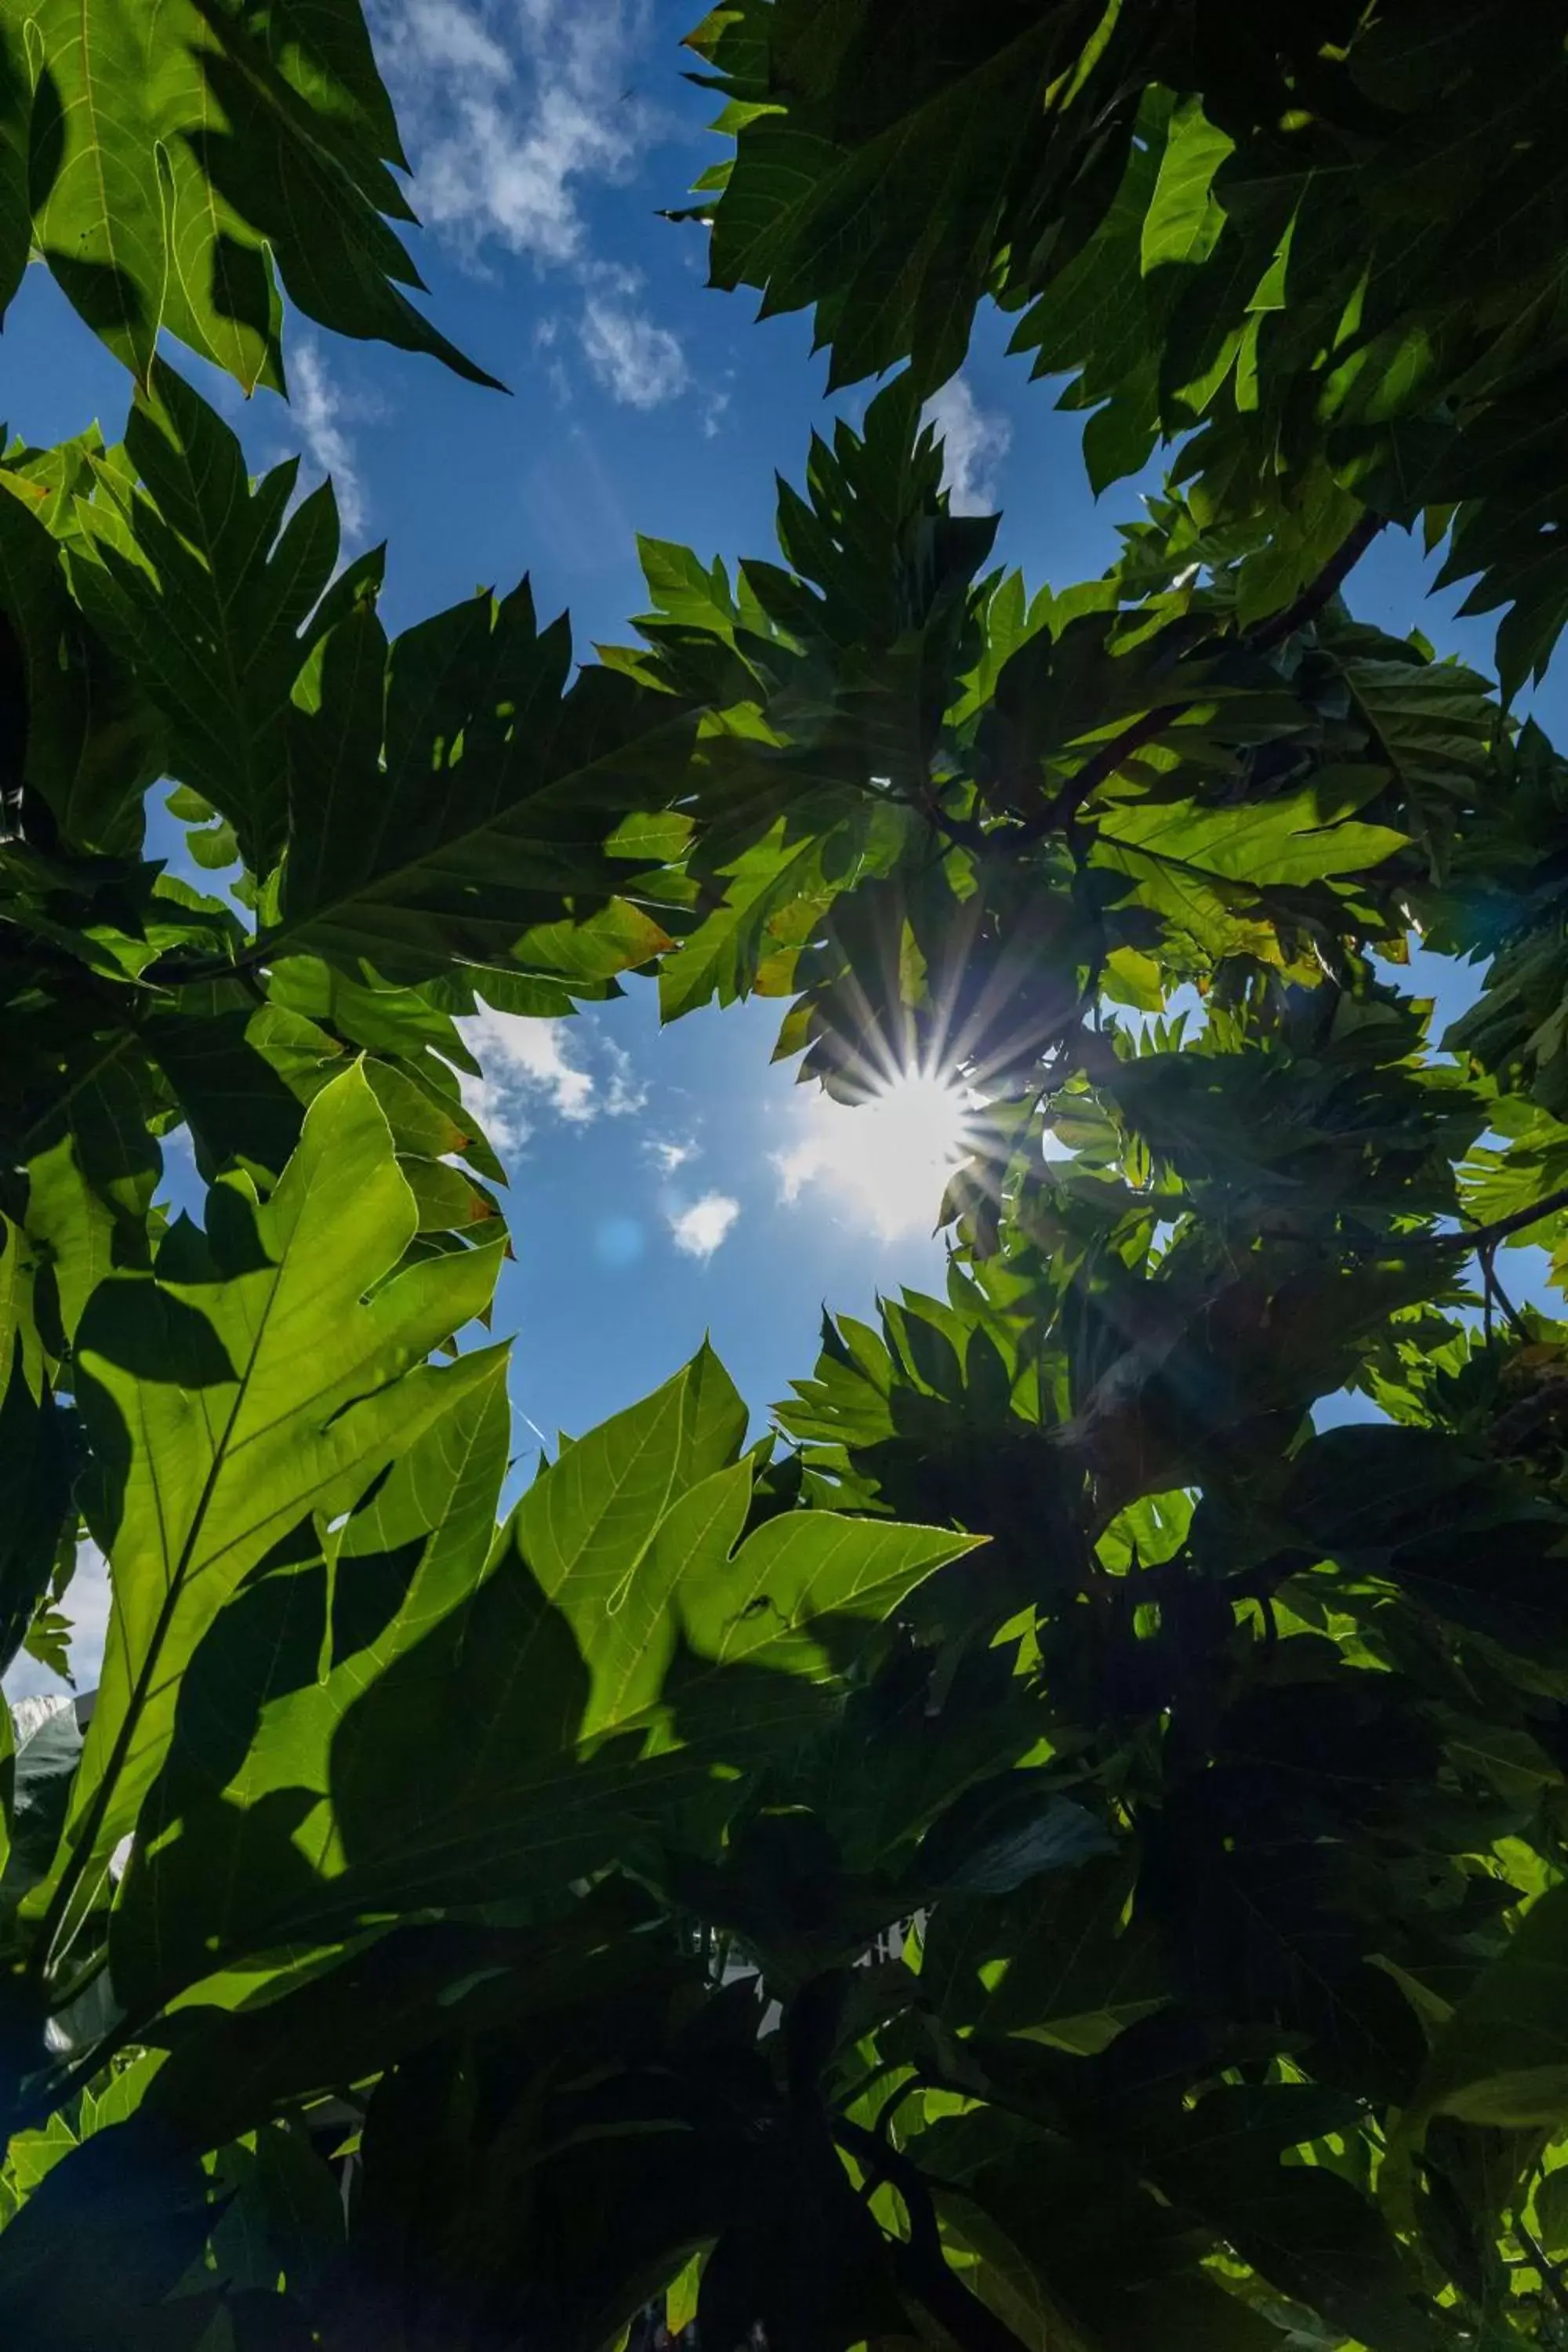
(619, 1243)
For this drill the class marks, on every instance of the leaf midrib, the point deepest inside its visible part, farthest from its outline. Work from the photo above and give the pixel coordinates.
(82, 1846)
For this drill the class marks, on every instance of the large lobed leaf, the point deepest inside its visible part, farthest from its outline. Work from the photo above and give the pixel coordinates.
(179, 155)
(521, 1711)
(1325, 239)
(453, 801)
(261, 1373)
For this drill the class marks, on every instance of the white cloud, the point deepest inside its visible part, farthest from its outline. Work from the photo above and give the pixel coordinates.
(976, 440)
(511, 113)
(447, 35)
(796, 1168)
(507, 110)
(319, 410)
(636, 362)
(714, 415)
(626, 1095)
(522, 1062)
(668, 1154)
(699, 1230)
(538, 1067)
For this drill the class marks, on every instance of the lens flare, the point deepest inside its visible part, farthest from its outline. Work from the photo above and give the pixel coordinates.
(888, 1156)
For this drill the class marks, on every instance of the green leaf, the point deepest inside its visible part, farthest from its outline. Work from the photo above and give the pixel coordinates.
(1058, 1963)
(1552, 2210)
(447, 1199)
(118, 96)
(143, 2216)
(1303, 837)
(36, 1464)
(259, 1374)
(91, 736)
(1184, 221)
(1310, 2233)
(310, 133)
(229, 1834)
(1007, 1834)
(92, 1168)
(1503, 2057)
(233, 2062)
(73, 1228)
(21, 1351)
(210, 603)
(787, 222)
(626, 1646)
(48, 1639)
(16, 108)
(1435, 723)
(721, 959)
(176, 155)
(453, 802)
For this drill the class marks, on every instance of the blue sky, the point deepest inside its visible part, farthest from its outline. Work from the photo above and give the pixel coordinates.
(663, 1183)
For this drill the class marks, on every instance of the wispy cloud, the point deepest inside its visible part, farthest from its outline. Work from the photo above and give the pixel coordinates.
(626, 1095)
(714, 413)
(510, 110)
(699, 1230)
(512, 113)
(796, 1167)
(636, 362)
(529, 1070)
(319, 411)
(976, 441)
(670, 1153)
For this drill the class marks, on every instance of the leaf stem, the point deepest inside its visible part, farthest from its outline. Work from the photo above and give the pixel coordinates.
(1495, 1291)
(1551, 2277)
(920, 2262)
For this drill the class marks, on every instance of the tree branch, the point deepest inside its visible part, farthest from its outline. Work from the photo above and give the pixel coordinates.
(1486, 1237)
(962, 831)
(1316, 592)
(920, 2262)
(1064, 805)
(1494, 1290)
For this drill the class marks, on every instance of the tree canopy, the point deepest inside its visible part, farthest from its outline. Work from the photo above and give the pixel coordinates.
(1061, 1845)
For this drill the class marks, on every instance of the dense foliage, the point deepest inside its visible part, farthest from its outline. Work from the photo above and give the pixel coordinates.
(1062, 1852)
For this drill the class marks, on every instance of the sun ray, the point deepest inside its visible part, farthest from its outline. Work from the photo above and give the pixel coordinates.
(890, 1154)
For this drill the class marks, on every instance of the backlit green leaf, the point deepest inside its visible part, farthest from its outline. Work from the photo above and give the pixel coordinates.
(247, 1381)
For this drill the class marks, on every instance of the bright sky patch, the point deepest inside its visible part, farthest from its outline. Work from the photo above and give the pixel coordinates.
(887, 1158)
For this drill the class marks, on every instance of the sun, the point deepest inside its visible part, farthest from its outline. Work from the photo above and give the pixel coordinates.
(891, 1154)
